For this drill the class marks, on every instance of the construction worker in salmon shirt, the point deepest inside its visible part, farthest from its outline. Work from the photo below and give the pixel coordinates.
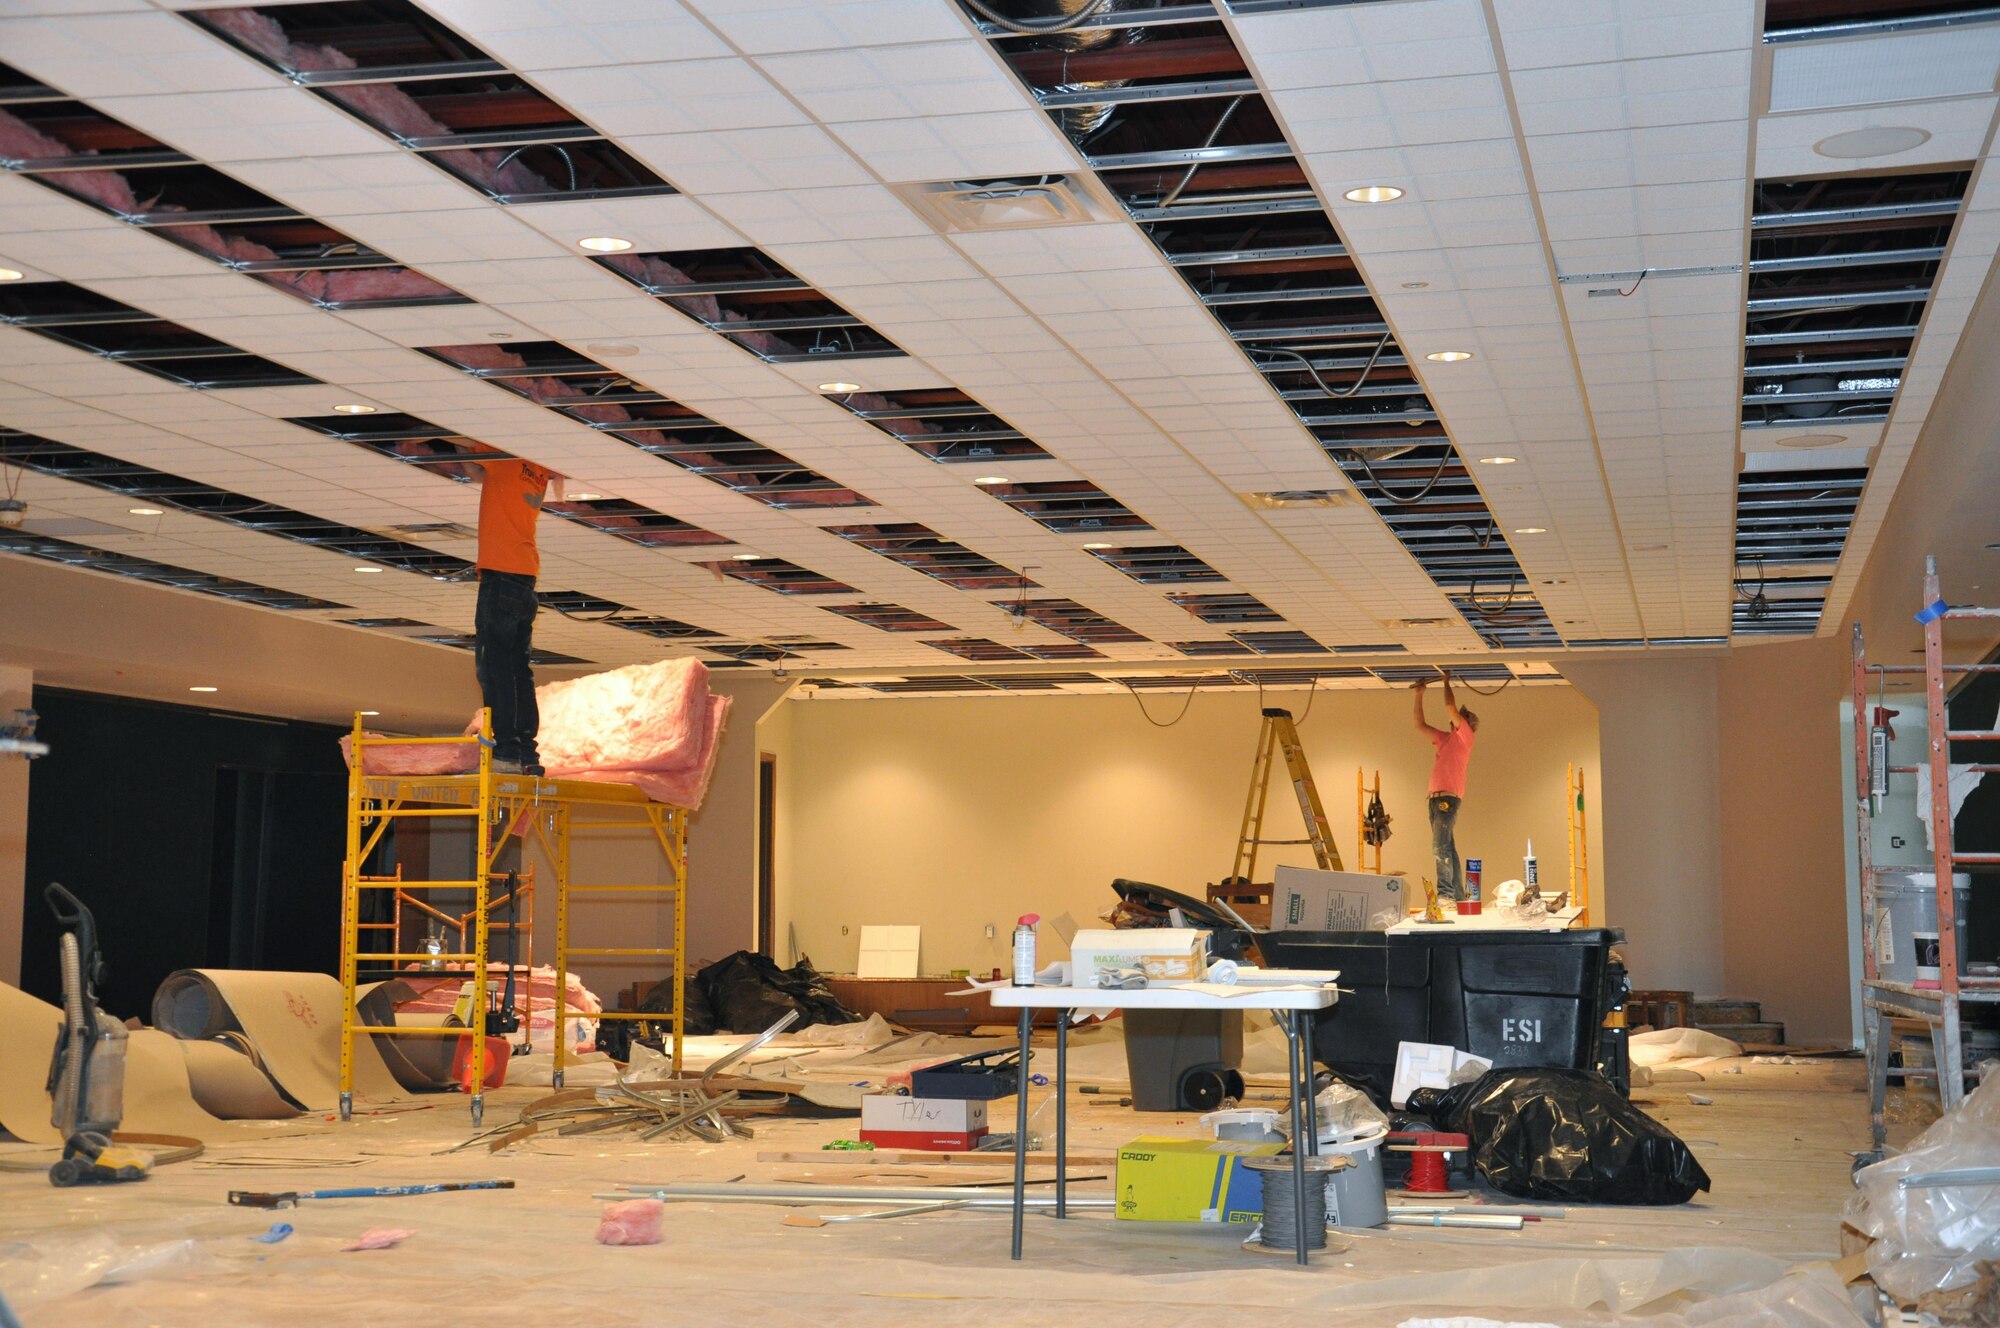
(1447, 789)
(510, 500)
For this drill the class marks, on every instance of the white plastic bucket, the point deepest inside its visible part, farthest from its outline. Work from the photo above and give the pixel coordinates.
(1906, 906)
(1354, 1194)
(1256, 1125)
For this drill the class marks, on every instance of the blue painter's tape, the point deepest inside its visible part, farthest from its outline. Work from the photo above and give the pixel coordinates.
(1933, 613)
(278, 1231)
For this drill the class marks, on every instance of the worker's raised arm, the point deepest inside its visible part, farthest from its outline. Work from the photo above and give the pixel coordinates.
(1421, 722)
(1450, 701)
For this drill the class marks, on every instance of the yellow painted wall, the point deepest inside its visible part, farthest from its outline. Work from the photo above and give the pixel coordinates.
(958, 813)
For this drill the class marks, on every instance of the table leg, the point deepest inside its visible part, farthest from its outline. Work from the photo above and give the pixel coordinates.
(1301, 1095)
(1062, 1113)
(1021, 1129)
(1307, 1018)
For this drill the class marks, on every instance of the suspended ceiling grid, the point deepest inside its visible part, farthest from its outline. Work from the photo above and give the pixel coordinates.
(783, 124)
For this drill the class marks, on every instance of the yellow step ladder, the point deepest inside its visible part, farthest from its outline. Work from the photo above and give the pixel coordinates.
(1281, 735)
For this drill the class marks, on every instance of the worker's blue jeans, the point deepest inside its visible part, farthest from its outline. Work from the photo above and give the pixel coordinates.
(1444, 844)
(504, 629)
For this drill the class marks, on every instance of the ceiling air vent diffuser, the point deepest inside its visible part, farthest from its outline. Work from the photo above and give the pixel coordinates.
(1008, 204)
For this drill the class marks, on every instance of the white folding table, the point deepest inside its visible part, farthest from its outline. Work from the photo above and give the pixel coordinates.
(1294, 1004)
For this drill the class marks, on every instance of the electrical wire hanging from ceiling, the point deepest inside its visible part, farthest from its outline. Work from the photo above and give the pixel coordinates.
(1186, 701)
(1326, 389)
(1221, 122)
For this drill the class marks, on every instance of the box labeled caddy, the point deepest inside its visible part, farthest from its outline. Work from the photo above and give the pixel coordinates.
(1164, 954)
(1190, 1180)
(941, 1125)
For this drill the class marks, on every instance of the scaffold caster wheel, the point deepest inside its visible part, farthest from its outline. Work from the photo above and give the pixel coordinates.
(478, 1109)
(558, 1079)
(1867, 1159)
(347, 1106)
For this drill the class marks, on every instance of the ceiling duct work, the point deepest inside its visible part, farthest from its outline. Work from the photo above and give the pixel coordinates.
(1082, 118)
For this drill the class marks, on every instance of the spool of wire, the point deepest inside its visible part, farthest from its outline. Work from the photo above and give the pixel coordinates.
(1279, 1231)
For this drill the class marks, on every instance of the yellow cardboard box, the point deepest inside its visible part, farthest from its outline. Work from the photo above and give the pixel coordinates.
(1190, 1180)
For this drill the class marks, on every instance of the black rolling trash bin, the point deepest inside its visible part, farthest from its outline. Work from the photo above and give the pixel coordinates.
(1516, 998)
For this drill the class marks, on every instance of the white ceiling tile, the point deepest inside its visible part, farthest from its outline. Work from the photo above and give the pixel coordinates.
(679, 97)
(952, 146)
(749, 160)
(559, 34)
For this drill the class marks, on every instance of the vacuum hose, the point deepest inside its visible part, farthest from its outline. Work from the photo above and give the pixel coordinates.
(76, 1033)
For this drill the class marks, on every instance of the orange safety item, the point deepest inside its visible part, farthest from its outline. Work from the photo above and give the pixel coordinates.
(510, 498)
(497, 1052)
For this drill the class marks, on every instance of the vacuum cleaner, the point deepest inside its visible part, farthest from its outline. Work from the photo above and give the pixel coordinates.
(87, 1074)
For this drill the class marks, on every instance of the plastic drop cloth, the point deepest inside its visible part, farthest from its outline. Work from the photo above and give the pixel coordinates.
(1931, 1237)
(1660, 1045)
(1700, 1287)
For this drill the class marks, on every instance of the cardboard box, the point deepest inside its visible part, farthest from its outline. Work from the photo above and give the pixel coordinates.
(891, 1111)
(1308, 900)
(1190, 1180)
(924, 1141)
(1167, 954)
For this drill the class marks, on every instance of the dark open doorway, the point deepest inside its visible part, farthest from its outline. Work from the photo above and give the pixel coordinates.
(767, 848)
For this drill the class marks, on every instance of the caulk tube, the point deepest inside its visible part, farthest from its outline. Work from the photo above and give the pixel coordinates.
(1530, 877)
(1024, 950)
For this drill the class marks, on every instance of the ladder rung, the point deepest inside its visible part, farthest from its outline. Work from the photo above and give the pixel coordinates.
(656, 1016)
(618, 889)
(1280, 841)
(616, 950)
(380, 814)
(418, 885)
(374, 1030)
(374, 958)
(1972, 735)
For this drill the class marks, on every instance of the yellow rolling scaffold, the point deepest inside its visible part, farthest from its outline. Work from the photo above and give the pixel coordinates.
(501, 807)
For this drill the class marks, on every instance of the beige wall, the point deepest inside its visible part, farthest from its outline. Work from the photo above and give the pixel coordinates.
(722, 836)
(16, 685)
(1783, 847)
(1662, 851)
(956, 814)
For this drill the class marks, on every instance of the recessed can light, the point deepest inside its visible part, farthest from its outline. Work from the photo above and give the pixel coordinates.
(604, 244)
(1373, 193)
(612, 350)
(1498, 461)
(582, 497)
(1555, 581)
(11, 274)
(201, 689)
(1811, 439)
(1449, 356)
(370, 570)
(368, 712)
(743, 557)
(1416, 285)
(1097, 544)
(146, 511)
(991, 479)
(353, 408)
(840, 387)
(1531, 530)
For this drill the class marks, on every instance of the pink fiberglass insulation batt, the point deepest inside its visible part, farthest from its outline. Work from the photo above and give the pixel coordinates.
(654, 726)
(632, 1222)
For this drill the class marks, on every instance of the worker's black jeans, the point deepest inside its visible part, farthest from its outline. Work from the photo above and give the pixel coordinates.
(1444, 845)
(504, 628)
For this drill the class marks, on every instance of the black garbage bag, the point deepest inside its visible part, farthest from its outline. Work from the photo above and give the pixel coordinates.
(747, 993)
(1564, 1135)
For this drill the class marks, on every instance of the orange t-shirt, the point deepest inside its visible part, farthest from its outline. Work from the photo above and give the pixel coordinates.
(1454, 753)
(509, 501)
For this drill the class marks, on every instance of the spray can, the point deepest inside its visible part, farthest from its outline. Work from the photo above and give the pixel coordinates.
(1024, 950)
(1469, 903)
(1531, 876)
